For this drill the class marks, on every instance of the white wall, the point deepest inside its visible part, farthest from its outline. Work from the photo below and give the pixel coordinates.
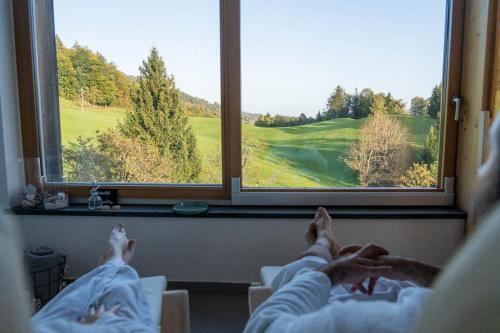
(11, 170)
(230, 250)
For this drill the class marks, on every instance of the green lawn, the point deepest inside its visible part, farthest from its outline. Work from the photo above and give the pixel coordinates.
(301, 156)
(312, 155)
(75, 122)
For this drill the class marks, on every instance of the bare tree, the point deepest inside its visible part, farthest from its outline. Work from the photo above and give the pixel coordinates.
(381, 154)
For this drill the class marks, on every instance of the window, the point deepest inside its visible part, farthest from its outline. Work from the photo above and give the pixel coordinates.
(176, 103)
(342, 93)
(136, 103)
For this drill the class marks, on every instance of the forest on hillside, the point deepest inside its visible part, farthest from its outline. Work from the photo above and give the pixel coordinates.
(87, 77)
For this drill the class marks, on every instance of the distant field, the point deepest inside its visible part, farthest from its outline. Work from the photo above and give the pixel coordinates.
(301, 156)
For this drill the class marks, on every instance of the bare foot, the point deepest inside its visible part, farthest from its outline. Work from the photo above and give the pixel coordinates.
(118, 244)
(128, 253)
(310, 233)
(322, 227)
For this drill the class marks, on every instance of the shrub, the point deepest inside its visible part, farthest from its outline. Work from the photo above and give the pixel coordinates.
(112, 157)
(83, 162)
(419, 175)
(130, 160)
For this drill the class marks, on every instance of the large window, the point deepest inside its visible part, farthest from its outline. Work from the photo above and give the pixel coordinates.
(247, 100)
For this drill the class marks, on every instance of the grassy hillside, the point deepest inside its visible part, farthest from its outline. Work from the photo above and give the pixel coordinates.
(301, 156)
(312, 155)
(75, 122)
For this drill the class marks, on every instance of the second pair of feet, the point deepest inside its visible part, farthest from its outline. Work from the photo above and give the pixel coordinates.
(120, 247)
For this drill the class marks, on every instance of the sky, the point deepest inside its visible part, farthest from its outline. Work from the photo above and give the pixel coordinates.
(294, 52)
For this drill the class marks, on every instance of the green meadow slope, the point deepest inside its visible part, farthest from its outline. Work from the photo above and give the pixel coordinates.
(301, 156)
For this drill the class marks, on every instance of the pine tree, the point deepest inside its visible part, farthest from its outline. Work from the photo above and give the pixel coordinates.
(319, 117)
(435, 102)
(158, 118)
(431, 146)
(303, 120)
(337, 105)
(355, 105)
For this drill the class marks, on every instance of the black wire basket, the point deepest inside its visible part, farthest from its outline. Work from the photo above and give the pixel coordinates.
(46, 283)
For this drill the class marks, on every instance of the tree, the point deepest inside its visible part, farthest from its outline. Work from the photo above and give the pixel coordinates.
(419, 106)
(66, 75)
(279, 121)
(435, 102)
(394, 106)
(303, 120)
(378, 105)
(87, 75)
(319, 117)
(158, 118)
(337, 105)
(366, 101)
(355, 105)
(381, 154)
(264, 120)
(431, 146)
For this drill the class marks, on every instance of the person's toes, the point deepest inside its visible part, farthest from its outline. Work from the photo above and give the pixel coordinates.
(325, 217)
(119, 228)
(310, 233)
(323, 212)
(129, 252)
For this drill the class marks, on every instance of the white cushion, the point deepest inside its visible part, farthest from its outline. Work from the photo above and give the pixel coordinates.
(268, 273)
(154, 287)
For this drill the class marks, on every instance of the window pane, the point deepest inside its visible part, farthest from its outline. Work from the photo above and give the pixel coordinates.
(341, 93)
(139, 90)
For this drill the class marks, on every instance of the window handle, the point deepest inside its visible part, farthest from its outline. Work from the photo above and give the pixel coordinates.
(455, 101)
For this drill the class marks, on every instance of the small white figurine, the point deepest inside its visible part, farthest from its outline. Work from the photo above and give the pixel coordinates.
(32, 198)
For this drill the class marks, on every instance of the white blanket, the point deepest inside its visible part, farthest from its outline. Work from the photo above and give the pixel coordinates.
(108, 285)
(304, 301)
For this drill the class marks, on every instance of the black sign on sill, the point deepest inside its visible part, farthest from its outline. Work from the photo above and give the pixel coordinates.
(109, 196)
